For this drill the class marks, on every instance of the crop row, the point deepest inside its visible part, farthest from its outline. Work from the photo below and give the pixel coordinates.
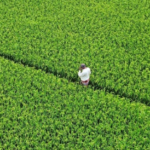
(110, 37)
(42, 111)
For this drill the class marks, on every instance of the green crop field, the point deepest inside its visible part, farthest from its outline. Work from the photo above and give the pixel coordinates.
(41, 111)
(42, 44)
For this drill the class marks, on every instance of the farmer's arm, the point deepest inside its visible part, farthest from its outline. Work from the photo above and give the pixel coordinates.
(81, 74)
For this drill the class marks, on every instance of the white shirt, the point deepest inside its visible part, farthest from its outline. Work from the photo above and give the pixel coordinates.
(85, 74)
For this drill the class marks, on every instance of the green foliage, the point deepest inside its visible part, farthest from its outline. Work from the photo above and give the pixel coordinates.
(111, 37)
(42, 111)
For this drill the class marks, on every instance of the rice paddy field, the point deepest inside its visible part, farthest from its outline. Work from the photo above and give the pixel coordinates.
(42, 104)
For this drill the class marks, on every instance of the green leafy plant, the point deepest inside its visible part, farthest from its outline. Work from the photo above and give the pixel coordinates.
(42, 111)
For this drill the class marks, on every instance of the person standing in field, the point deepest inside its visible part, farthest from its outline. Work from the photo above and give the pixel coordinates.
(84, 74)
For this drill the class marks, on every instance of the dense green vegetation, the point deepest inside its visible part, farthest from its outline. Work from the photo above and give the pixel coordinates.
(42, 111)
(42, 106)
(111, 37)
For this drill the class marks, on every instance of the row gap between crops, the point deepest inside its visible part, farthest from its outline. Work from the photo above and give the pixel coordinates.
(94, 86)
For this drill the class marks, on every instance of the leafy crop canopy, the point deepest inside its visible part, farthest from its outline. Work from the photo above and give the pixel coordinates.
(111, 37)
(40, 110)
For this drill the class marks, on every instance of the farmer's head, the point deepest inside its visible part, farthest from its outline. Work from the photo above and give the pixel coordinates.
(83, 66)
